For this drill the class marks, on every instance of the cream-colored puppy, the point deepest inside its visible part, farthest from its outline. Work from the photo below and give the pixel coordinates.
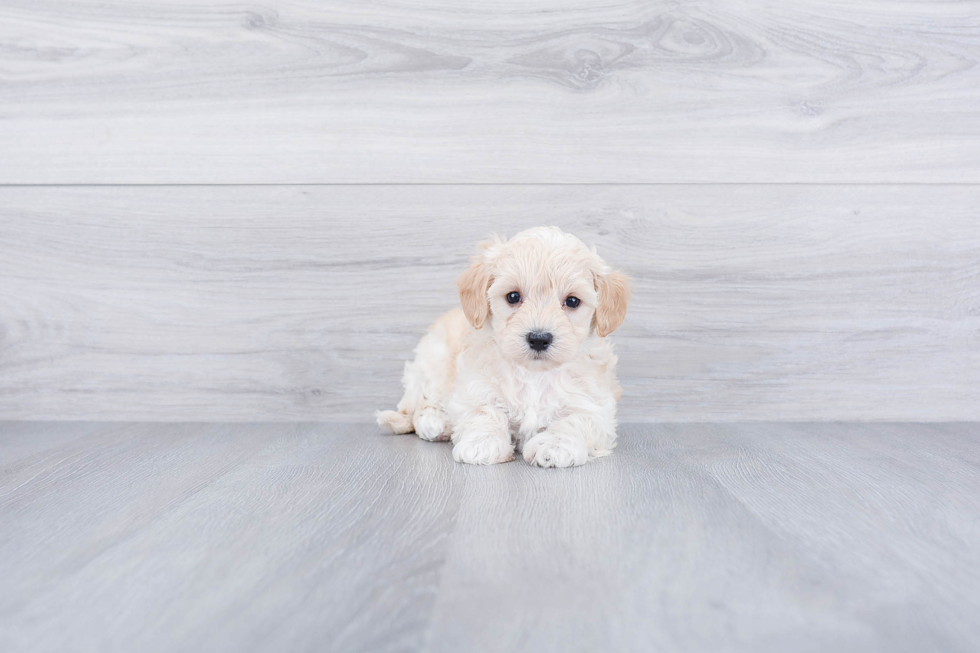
(526, 362)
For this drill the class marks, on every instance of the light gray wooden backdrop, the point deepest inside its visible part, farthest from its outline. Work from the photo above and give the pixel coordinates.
(251, 212)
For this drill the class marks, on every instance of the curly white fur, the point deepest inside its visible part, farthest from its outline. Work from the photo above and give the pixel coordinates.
(476, 379)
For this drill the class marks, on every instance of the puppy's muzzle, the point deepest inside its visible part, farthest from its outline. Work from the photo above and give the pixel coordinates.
(539, 341)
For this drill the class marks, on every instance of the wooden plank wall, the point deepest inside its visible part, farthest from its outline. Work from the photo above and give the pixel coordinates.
(251, 212)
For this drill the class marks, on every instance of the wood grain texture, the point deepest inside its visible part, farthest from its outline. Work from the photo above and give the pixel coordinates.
(182, 91)
(300, 303)
(320, 537)
(167, 528)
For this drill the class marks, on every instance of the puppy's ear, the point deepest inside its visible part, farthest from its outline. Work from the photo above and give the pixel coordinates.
(614, 294)
(473, 285)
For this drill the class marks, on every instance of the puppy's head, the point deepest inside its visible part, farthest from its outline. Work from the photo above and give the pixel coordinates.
(543, 293)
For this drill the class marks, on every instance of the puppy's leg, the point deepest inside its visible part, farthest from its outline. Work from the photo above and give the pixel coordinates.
(572, 441)
(428, 382)
(400, 421)
(421, 407)
(482, 437)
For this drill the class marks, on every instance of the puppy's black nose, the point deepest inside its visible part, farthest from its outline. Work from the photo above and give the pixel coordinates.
(539, 341)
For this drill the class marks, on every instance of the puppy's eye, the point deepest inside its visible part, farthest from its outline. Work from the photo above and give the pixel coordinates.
(572, 302)
(513, 297)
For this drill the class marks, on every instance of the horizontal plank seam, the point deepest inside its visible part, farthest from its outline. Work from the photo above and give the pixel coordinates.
(488, 184)
(9, 422)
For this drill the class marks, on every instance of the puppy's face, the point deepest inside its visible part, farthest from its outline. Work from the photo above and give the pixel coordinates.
(543, 293)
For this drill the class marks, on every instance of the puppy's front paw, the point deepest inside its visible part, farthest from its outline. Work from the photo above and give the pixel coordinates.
(483, 450)
(433, 425)
(547, 450)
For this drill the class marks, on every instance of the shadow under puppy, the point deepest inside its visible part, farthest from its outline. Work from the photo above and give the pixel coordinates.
(526, 363)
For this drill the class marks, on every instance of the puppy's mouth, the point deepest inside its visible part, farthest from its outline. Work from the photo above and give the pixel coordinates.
(539, 359)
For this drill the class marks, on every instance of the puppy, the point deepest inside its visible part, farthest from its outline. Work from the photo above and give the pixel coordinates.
(526, 363)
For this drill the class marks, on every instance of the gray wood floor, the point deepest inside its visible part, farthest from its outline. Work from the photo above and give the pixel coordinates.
(319, 537)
